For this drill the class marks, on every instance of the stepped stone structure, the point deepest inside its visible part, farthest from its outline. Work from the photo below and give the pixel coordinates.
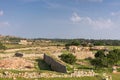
(55, 65)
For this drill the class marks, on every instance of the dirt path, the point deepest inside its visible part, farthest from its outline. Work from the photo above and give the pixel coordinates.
(24, 55)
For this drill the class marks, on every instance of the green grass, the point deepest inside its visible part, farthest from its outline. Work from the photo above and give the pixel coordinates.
(29, 51)
(6, 79)
(14, 46)
(69, 68)
(113, 47)
(42, 65)
(115, 76)
(118, 69)
(82, 78)
(65, 51)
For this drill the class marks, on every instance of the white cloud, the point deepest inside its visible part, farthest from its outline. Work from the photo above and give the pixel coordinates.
(99, 23)
(115, 13)
(3, 24)
(75, 18)
(1, 12)
(102, 23)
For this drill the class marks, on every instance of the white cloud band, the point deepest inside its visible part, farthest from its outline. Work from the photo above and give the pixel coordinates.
(99, 23)
(1, 12)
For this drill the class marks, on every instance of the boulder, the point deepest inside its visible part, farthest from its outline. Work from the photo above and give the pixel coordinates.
(18, 54)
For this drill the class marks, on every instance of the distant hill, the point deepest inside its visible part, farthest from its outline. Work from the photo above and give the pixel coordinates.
(98, 42)
(103, 42)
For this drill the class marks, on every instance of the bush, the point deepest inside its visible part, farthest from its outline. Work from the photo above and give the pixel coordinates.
(68, 58)
(2, 46)
(99, 54)
(72, 43)
(118, 69)
(108, 60)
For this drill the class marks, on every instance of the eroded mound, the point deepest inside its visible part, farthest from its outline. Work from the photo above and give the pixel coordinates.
(16, 63)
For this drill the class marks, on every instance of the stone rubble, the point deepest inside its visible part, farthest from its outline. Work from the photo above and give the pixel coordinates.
(16, 63)
(8, 74)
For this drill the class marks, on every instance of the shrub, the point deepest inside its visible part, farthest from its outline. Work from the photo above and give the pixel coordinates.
(68, 58)
(2, 46)
(72, 43)
(99, 54)
(108, 60)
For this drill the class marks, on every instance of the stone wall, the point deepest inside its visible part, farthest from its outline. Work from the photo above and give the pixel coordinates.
(30, 75)
(55, 65)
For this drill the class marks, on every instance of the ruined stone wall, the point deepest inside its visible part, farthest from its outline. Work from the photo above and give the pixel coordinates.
(55, 65)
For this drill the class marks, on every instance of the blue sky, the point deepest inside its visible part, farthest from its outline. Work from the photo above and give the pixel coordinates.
(91, 19)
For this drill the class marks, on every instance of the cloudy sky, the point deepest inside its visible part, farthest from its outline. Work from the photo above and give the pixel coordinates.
(91, 19)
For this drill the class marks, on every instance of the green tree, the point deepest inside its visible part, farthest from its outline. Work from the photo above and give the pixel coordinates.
(102, 60)
(100, 54)
(113, 57)
(72, 43)
(68, 58)
(96, 62)
(98, 43)
(84, 44)
(75, 43)
(2, 46)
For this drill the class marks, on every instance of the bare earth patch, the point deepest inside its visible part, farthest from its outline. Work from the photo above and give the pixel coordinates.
(16, 63)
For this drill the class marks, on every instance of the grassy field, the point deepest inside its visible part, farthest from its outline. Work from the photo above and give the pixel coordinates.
(115, 76)
(14, 46)
(43, 67)
(113, 47)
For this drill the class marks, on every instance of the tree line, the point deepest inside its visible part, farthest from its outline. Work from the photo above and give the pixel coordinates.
(85, 42)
